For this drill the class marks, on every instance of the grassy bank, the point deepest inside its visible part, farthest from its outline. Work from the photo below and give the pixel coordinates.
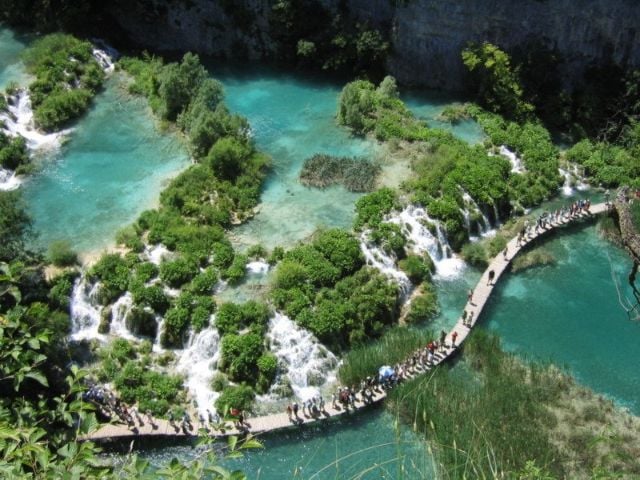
(496, 416)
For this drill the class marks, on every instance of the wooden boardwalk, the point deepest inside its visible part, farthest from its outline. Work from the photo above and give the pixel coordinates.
(278, 421)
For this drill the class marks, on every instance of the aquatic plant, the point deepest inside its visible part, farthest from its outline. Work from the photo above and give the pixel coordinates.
(321, 171)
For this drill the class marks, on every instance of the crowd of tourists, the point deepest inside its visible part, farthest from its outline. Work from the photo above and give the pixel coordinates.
(110, 407)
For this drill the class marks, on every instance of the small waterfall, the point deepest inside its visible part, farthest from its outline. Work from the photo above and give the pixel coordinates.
(8, 180)
(413, 221)
(309, 366)
(157, 346)
(485, 229)
(120, 310)
(258, 267)
(516, 162)
(567, 189)
(156, 253)
(196, 363)
(105, 61)
(85, 316)
(496, 214)
(581, 184)
(377, 258)
(19, 121)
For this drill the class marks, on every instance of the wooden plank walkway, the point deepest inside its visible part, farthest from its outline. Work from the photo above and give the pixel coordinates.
(279, 421)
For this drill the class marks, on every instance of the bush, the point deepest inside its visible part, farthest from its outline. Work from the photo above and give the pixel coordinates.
(475, 254)
(239, 397)
(267, 368)
(219, 382)
(389, 237)
(177, 272)
(204, 282)
(423, 307)
(236, 271)
(112, 271)
(61, 288)
(239, 356)
(371, 209)
(417, 269)
(13, 151)
(321, 171)
(141, 322)
(61, 254)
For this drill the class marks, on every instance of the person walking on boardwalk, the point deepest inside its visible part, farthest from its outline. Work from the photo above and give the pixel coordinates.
(454, 336)
(505, 252)
(470, 297)
(443, 337)
(490, 278)
(289, 411)
(295, 410)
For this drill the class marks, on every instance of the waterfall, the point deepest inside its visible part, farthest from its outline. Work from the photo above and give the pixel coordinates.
(196, 362)
(156, 253)
(258, 267)
(412, 220)
(567, 189)
(516, 162)
(104, 59)
(19, 121)
(378, 259)
(85, 316)
(301, 358)
(8, 180)
(484, 229)
(120, 310)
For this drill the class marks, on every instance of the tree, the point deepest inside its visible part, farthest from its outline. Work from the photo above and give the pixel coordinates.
(227, 157)
(496, 81)
(15, 225)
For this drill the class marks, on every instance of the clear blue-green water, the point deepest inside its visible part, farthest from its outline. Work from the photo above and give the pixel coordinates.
(370, 445)
(11, 46)
(113, 166)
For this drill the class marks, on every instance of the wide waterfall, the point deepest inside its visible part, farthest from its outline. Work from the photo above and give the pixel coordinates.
(302, 360)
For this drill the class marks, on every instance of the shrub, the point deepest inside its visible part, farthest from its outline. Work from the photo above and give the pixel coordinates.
(371, 208)
(240, 354)
(219, 382)
(267, 368)
(61, 254)
(475, 254)
(239, 397)
(177, 272)
(388, 236)
(424, 306)
(112, 271)
(416, 268)
(141, 322)
(236, 271)
(13, 151)
(204, 282)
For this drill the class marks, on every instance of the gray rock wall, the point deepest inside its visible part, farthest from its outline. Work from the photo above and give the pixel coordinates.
(427, 35)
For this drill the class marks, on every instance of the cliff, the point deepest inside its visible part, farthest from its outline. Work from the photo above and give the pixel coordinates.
(426, 35)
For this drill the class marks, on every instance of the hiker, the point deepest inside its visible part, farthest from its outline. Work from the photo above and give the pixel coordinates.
(295, 409)
(470, 297)
(454, 335)
(443, 337)
(491, 276)
(505, 252)
(464, 317)
(289, 411)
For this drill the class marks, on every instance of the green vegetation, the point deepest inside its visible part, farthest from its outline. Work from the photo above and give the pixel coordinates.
(371, 209)
(239, 397)
(15, 226)
(394, 346)
(67, 78)
(324, 287)
(356, 174)
(534, 258)
(497, 82)
(468, 414)
(61, 254)
(424, 306)
(13, 153)
(233, 317)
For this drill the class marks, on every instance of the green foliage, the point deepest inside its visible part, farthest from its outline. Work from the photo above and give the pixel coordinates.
(236, 271)
(239, 356)
(15, 225)
(177, 272)
(219, 382)
(394, 346)
(389, 237)
(141, 322)
(321, 171)
(67, 77)
(204, 282)
(13, 152)
(371, 208)
(417, 267)
(128, 236)
(496, 81)
(113, 272)
(340, 248)
(423, 307)
(61, 254)
(475, 254)
(239, 397)
(61, 288)
(267, 368)
(232, 317)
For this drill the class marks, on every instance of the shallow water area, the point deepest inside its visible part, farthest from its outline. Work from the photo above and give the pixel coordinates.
(11, 67)
(113, 167)
(366, 446)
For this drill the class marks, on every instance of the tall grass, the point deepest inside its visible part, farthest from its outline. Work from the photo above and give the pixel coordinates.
(484, 418)
(394, 346)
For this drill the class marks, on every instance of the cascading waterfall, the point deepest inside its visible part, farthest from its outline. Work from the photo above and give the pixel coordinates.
(258, 267)
(302, 359)
(156, 253)
(19, 121)
(517, 165)
(377, 258)
(85, 316)
(413, 221)
(196, 362)
(484, 228)
(121, 308)
(8, 180)
(567, 189)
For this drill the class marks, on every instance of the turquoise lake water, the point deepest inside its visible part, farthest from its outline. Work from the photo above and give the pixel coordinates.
(113, 166)
(11, 68)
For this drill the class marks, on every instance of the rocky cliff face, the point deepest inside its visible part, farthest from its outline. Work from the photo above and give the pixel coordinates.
(427, 35)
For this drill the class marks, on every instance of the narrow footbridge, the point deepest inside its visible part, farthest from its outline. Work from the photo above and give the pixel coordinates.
(278, 421)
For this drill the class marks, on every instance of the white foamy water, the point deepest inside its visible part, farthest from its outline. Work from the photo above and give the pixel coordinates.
(104, 59)
(377, 258)
(309, 365)
(196, 362)
(485, 225)
(8, 180)
(85, 315)
(516, 162)
(119, 312)
(413, 221)
(19, 121)
(259, 267)
(156, 254)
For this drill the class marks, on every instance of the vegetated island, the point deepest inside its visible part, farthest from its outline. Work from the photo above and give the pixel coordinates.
(356, 174)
